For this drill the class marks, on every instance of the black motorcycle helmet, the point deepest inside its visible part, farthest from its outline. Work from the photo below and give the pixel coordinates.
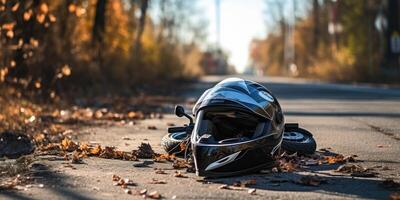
(238, 129)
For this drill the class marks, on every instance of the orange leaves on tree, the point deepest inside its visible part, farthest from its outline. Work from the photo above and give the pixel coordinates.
(13, 63)
(44, 8)
(66, 70)
(10, 34)
(8, 26)
(38, 85)
(33, 42)
(52, 18)
(71, 8)
(40, 18)
(3, 73)
(28, 15)
(15, 7)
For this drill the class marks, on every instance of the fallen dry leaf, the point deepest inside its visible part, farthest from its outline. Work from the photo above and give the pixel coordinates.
(154, 195)
(223, 187)
(68, 145)
(142, 192)
(115, 177)
(164, 157)
(339, 158)
(228, 187)
(155, 181)
(179, 175)
(251, 191)
(76, 158)
(160, 171)
(181, 164)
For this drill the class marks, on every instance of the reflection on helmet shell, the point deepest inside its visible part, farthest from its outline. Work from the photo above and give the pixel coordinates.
(249, 94)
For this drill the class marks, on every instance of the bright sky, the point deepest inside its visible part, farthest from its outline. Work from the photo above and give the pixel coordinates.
(240, 20)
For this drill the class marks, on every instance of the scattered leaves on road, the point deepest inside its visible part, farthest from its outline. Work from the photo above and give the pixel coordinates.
(123, 182)
(82, 150)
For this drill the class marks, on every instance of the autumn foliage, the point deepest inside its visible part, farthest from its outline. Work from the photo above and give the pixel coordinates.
(329, 40)
(50, 46)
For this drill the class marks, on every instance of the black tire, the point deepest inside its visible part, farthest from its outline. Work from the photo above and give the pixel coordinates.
(171, 142)
(298, 140)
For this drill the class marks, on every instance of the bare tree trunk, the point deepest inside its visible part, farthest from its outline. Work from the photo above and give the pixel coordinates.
(316, 27)
(99, 22)
(142, 22)
(98, 36)
(393, 28)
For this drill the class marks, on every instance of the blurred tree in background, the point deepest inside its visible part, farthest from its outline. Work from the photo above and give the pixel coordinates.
(50, 46)
(340, 40)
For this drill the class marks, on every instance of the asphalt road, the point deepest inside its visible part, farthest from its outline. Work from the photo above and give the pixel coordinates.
(349, 119)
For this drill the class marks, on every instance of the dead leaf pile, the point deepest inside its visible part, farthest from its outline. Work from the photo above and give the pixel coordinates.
(294, 162)
(164, 157)
(356, 170)
(83, 150)
(178, 163)
(340, 159)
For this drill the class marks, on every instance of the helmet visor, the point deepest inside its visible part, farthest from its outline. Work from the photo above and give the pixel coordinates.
(219, 126)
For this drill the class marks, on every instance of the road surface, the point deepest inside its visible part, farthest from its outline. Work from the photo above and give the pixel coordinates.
(349, 119)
